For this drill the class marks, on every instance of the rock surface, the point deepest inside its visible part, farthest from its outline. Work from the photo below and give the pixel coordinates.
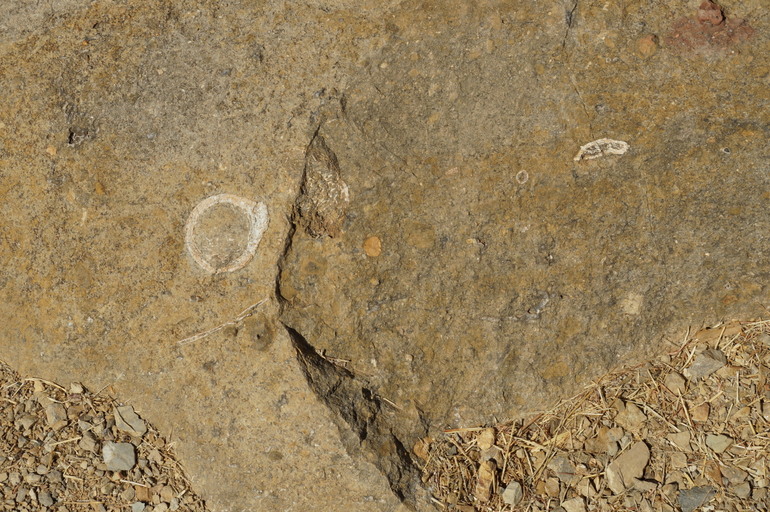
(440, 256)
(118, 456)
(691, 499)
(506, 273)
(117, 119)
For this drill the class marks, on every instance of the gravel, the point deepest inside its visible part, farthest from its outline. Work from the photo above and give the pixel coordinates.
(71, 450)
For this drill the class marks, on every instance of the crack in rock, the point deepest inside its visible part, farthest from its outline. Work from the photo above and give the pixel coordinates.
(365, 430)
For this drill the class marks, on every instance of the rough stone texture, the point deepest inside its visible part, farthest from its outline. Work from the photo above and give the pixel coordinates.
(116, 119)
(513, 493)
(118, 456)
(510, 274)
(705, 364)
(446, 255)
(629, 466)
(691, 499)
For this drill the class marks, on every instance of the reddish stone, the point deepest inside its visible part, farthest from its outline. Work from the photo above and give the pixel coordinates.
(708, 30)
(710, 13)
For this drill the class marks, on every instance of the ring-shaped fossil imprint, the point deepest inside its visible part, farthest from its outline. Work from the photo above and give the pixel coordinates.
(255, 212)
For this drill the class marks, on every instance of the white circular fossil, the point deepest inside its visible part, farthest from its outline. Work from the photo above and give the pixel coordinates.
(255, 214)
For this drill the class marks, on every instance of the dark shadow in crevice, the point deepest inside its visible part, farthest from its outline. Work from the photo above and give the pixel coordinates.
(364, 430)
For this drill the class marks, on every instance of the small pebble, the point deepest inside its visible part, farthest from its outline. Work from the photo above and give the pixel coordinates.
(45, 499)
(718, 443)
(691, 499)
(513, 493)
(647, 46)
(743, 490)
(373, 246)
(118, 456)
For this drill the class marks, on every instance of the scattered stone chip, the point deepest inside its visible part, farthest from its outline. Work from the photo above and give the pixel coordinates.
(564, 469)
(675, 383)
(691, 499)
(486, 438)
(118, 456)
(718, 442)
(704, 364)
(627, 466)
(513, 493)
(574, 505)
(127, 420)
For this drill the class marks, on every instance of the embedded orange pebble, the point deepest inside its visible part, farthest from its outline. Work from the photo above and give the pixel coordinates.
(373, 246)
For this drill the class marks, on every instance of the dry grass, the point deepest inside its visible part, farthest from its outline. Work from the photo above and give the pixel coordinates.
(560, 457)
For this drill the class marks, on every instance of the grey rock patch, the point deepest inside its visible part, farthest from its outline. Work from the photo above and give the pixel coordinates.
(119, 456)
(26, 421)
(55, 415)
(564, 469)
(513, 493)
(691, 499)
(704, 364)
(45, 499)
(127, 420)
(88, 442)
(742, 490)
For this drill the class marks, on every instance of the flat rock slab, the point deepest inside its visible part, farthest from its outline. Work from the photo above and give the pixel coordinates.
(486, 267)
(117, 119)
(449, 261)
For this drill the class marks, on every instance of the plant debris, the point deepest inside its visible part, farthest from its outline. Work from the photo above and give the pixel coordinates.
(686, 431)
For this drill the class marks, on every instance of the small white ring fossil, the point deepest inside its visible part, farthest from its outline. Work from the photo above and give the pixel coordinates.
(258, 220)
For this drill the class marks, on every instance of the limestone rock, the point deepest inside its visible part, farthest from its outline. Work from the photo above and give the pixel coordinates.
(574, 505)
(681, 440)
(530, 285)
(485, 480)
(691, 499)
(509, 273)
(704, 364)
(486, 438)
(55, 414)
(675, 383)
(127, 420)
(627, 467)
(718, 442)
(513, 493)
(631, 417)
(119, 456)
(564, 469)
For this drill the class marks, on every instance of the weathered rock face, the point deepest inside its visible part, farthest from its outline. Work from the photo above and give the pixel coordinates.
(482, 269)
(448, 260)
(116, 120)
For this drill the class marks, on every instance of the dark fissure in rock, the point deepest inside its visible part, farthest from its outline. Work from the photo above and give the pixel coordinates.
(360, 408)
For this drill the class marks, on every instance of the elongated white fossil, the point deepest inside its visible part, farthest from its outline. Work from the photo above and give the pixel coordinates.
(601, 147)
